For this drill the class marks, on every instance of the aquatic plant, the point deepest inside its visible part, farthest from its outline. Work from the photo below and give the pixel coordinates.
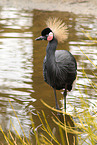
(85, 127)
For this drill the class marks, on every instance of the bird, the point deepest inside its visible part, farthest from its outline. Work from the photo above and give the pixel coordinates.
(59, 66)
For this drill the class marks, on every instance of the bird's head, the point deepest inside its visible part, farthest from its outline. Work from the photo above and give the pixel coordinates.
(46, 34)
(55, 29)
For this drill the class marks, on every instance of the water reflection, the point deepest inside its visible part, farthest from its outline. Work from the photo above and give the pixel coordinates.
(16, 69)
(76, 26)
(21, 75)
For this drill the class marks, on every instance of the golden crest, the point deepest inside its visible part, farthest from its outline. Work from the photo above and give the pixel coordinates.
(59, 28)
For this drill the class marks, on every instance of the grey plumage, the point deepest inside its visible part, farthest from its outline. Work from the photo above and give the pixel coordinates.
(59, 66)
(60, 70)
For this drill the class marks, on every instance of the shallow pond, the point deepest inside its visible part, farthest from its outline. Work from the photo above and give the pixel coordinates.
(21, 60)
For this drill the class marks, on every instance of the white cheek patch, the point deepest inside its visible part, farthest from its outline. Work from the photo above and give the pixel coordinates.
(50, 37)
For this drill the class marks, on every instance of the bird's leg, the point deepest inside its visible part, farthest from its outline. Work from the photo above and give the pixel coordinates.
(57, 107)
(65, 94)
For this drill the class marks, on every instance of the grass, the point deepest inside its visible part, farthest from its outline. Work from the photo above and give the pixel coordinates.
(85, 130)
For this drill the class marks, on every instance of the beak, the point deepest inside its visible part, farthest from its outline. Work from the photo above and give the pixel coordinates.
(41, 38)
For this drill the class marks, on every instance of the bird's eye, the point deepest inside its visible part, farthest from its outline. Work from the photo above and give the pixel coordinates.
(50, 34)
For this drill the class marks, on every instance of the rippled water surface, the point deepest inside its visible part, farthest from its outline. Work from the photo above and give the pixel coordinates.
(21, 58)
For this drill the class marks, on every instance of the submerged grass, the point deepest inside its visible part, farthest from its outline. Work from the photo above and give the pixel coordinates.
(85, 129)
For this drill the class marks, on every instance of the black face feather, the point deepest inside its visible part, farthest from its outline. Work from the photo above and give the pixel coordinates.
(46, 31)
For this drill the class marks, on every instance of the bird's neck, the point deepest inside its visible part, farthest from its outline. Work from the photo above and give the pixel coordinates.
(50, 60)
(50, 50)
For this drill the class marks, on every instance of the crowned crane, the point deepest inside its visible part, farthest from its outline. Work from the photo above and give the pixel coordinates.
(59, 66)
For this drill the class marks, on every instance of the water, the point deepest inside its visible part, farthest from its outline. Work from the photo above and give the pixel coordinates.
(21, 58)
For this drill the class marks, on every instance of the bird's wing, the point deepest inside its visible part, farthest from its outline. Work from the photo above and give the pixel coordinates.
(66, 61)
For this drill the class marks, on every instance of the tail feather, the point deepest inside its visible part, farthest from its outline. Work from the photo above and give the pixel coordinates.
(69, 87)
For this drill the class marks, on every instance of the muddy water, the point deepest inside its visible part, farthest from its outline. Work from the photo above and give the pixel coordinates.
(21, 58)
